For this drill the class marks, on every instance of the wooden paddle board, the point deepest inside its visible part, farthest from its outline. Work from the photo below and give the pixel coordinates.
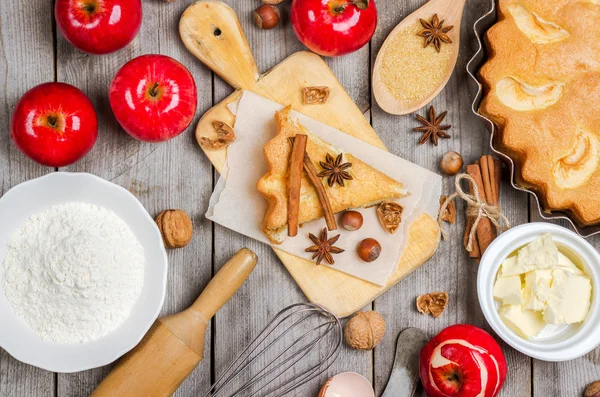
(212, 32)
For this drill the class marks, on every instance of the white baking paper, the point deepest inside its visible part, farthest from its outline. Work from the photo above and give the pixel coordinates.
(237, 205)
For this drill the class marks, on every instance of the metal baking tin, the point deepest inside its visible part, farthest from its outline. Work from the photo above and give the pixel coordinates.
(480, 28)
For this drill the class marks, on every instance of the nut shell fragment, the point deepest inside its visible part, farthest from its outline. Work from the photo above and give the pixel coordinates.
(225, 136)
(390, 215)
(365, 330)
(315, 95)
(433, 303)
(175, 228)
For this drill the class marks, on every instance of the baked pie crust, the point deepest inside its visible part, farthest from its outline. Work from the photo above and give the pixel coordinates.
(542, 85)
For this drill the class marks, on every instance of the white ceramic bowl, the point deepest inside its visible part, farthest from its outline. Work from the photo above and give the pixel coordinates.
(554, 343)
(36, 195)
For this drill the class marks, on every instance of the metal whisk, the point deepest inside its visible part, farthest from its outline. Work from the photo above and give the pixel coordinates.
(301, 342)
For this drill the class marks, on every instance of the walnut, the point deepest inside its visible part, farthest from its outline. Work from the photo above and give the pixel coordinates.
(593, 389)
(390, 215)
(450, 214)
(318, 95)
(433, 303)
(175, 227)
(225, 136)
(365, 330)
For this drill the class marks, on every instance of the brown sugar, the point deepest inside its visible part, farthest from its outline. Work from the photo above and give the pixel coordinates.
(409, 71)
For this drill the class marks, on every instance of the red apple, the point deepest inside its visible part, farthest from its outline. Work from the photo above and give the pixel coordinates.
(98, 26)
(55, 124)
(334, 27)
(153, 97)
(462, 361)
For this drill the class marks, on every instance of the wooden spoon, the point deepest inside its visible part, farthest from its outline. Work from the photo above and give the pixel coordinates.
(448, 10)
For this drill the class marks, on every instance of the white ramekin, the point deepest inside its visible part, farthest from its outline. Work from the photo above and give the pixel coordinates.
(555, 343)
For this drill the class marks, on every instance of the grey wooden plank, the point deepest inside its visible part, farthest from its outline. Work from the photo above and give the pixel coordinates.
(173, 174)
(450, 269)
(571, 377)
(26, 59)
(270, 288)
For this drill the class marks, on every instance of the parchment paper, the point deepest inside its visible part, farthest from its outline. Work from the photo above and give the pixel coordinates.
(237, 205)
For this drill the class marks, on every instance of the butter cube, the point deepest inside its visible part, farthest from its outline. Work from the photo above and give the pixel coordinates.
(508, 290)
(541, 253)
(569, 300)
(568, 265)
(526, 323)
(537, 289)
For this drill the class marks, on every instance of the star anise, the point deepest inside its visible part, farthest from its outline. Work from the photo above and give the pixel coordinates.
(432, 128)
(435, 32)
(335, 170)
(323, 247)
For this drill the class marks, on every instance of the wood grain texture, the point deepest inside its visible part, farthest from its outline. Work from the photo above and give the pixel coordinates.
(173, 174)
(450, 269)
(270, 288)
(26, 60)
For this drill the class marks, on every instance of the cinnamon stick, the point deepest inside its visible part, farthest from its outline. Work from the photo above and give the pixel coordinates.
(475, 250)
(485, 229)
(311, 172)
(484, 165)
(295, 180)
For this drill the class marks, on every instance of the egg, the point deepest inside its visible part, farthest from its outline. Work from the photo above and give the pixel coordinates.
(347, 384)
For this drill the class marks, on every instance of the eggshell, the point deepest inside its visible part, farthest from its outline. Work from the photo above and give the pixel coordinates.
(347, 384)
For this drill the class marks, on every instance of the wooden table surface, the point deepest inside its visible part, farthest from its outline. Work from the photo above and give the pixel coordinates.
(176, 174)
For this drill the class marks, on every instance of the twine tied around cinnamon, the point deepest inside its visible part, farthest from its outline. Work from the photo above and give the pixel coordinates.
(476, 208)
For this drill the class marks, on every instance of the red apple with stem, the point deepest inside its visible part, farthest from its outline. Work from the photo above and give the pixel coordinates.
(55, 124)
(462, 361)
(98, 26)
(153, 97)
(334, 27)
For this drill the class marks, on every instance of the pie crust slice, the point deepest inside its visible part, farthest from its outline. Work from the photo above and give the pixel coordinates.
(368, 186)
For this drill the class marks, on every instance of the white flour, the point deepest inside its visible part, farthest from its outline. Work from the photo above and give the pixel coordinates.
(73, 272)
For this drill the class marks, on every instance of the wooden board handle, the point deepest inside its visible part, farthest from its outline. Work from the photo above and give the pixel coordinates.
(212, 32)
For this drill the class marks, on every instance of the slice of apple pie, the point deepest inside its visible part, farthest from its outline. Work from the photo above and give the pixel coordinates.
(542, 84)
(363, 186)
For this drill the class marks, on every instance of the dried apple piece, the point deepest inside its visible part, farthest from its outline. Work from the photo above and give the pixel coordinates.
(577, 166)
(525, 97)
(537, 29)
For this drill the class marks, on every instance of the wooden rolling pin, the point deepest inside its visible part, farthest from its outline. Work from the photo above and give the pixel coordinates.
(175, 344)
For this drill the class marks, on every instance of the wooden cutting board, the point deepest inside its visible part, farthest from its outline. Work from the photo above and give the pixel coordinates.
(212, 32)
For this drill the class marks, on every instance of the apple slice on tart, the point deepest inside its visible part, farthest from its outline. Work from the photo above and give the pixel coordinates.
(348, 182)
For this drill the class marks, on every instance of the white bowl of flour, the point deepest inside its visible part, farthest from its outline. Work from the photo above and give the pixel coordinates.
(83, 272)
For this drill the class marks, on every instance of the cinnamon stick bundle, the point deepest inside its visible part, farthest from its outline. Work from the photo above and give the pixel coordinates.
(487, 173)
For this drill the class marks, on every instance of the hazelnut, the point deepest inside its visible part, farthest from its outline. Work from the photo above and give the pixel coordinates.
(369, 249)
(365, 330)
(451, 163)
(273, 1)
(175, 227)
(266, 16)
(593, 389)
(352, 220)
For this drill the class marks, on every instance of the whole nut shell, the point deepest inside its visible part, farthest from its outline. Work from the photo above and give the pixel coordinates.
(175, 227)
(365, 330)
(266, 16)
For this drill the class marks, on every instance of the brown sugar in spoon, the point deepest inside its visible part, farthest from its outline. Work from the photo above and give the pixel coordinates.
(450, 11)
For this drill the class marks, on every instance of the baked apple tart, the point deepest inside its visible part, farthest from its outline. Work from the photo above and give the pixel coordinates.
(542, 87)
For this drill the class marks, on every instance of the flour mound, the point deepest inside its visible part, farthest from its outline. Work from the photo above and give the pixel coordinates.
(73, 272)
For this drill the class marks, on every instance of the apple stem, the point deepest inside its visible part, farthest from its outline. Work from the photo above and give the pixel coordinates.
(52, 121)
(153, 90)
